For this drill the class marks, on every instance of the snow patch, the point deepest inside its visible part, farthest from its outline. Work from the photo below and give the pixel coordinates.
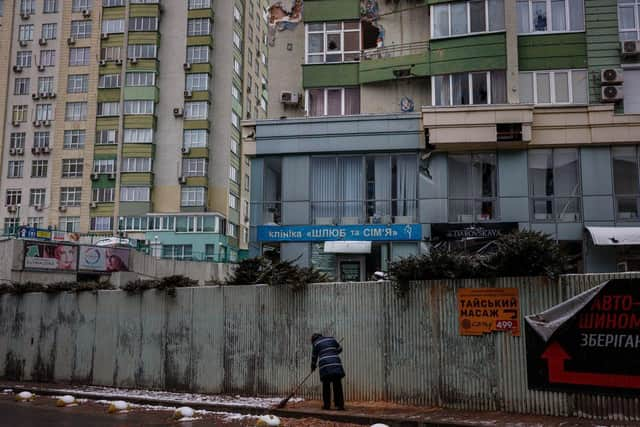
(268, 421)
(183, 412)
(379, 425)
(66, 400)
(7, 391)
(25, 396)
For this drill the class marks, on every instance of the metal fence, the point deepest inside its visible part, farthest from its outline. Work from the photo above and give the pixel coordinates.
(255, 340)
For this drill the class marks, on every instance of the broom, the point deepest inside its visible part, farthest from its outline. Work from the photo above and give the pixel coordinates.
(284, 401)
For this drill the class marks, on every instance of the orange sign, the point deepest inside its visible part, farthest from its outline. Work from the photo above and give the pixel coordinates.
(485, 310)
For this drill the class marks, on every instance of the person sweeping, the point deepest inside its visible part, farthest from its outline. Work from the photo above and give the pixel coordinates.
(325, 355)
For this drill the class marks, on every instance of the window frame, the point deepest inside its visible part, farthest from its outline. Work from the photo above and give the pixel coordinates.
(468, 31)
(549, 17)
(325, 33)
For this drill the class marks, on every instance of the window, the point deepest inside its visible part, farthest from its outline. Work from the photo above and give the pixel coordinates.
(181, 252)
(467, 17)
(50, 6)
(47, 58)
(232, 230)
(138, 107)
(70, 196)
(626, 182)
(136, 164)
(44, 112)
(111, 53)
(235, 92)
(17, 140)
(101, 223)
(37, 197)
(49, 31)
(192, 196)
(333, 101)
(80, 5)
(237, 41)
(112, 26)
(554, 87)
(233, 173)
(233, 201)
(74, 139)
(328, 42)
(235, 120)
(72, 168)
(21, 86)
(143, 23)
(104, 166)
(199, 4)
(107, 109)
(133, 223)
(78, 83)
(135, 194)
(195, 138)
(199, 27)
(550, 16)
(472, 187)
(141, 79)
(247, 182)
(107, 137)
(23, 58)
(629, 19)
(41, 139)
(162, 223)
(25, 33)
(554, 185)
(69, 224)
(15, 169)
(194, 167)
(103, 195)
(198, 54)
(197, 82)
(196, 110)
(112, 3)
(236, 14)
(81, 29)
(20, 113)
(144, 51)
(11, 225)
(78, 56)
(237, 67)
(138, 136)
(36, 221)
(39, 168)
(485, 87)
(45, 84)
(14, 197)
(109, 81)
(234, 146)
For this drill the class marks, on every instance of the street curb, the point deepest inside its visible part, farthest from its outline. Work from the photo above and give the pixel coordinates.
(247, 410)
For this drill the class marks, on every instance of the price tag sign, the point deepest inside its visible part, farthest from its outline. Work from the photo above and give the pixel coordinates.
(486, 310)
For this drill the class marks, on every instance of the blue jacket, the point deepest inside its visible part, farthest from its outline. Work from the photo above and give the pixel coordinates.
(325, 352)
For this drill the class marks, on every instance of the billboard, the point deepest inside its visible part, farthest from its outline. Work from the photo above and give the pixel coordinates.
(327, 233)
(95, 258)
(48, 256)
(486, 310)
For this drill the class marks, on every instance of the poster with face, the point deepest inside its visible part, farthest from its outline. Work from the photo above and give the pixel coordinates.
(103, 259)
(45, 256)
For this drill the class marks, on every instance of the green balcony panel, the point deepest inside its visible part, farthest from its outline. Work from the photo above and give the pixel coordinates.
(200, 68)
(197, 153)
(552, 51)
(197, 181)
(112, 40)
(377, 70)
(331, 10)
(110, 68)
(103, 181)
(144, 65)
(327, 75)
(196, 124)
(137, 150)
(113, 13)
(137, 178)
(200, 41)
(236, 107)
(144, 10)
(200, 13)
(103, 123)
(139, 122)
(134, 208)
(144, 37)
(439, 1)
(234, 187)
(103, 209)
(108, 95)
(200, 95)
(105, 155)
(141, 92)
(470, 53)
(193, 209)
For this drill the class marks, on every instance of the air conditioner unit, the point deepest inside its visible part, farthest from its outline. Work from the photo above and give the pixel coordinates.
(37, 207)
(630, 47)
(35, 96)
(112, 175)
(188, 94)
(291, 98)
(46, 150)
(104, 36)
(93, 205)
(41, 68)
(42, 41)
(118, 61)
(95, 176)
(186, 66)
(185, 150)
(610, 76)
(182, 180)
(20, 151)
(12, 151)
(71, 41)
(23, 43)
(43, 94)
(51, 95)
(24, 15)
(46, 123)
(86, 13)
(12, 208)
(133, 60)
(178, 112)
(62, 208)
(17, 68)
(35, 150)
(37, 123)
(611, 93)
(103, 62)
(15, 123)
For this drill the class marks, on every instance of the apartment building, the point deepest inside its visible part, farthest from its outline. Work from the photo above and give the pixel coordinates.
(408, 124)
(122, 117)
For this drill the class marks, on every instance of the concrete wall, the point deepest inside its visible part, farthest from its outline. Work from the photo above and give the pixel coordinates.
(255, 340)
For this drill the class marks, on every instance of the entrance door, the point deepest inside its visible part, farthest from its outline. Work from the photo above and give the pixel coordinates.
(351, 269)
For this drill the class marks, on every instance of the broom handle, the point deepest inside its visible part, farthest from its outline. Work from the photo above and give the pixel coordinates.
(306, 378)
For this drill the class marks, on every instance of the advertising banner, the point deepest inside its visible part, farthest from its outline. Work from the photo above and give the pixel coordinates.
(325, 233)
(484, 231)
(485, 310)
(94, 258)
(590, 342)
(48, 256)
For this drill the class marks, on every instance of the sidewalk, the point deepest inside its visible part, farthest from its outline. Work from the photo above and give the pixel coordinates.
(363, 413)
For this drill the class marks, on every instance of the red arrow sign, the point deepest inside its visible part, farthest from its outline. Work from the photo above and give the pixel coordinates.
(556, 356)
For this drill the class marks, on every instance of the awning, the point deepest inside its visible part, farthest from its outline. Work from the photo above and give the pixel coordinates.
(615, 236)
(347, 247)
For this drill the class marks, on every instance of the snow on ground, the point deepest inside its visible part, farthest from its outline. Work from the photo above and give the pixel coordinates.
(230, 416)
(7, 391)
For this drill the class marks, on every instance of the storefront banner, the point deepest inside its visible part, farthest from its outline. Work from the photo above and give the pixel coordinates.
(324, 233)
(453, 232)
(45, 256)
(94, 258)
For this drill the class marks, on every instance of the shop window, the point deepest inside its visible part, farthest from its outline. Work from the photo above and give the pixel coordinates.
(473, 187)
(626, 182)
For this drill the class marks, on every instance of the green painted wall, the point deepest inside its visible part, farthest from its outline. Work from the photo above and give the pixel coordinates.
(112, 12)
(552, 51)
(601, 21)
(113, 39)
(196, 124)
(141, 92)
(472, 53)
(375, 70)
(103, 209)
(200, 68)
(134, 208)
(324, 75)
(200, 41)
(106, 123)
(138, 178)
(139, 122)
(197, 153)
(137, 150)
(200, 95)
(144, 37)
(200, 13)
(105, 151)
(144, 10)
(103, 181)
(331, 10)
(144, 65)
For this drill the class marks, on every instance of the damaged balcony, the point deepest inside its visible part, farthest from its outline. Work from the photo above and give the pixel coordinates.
(394, 61)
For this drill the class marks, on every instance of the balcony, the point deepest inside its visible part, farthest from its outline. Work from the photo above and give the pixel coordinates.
(394, 62)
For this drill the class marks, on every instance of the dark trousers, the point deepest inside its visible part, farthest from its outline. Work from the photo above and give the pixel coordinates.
(338, 396)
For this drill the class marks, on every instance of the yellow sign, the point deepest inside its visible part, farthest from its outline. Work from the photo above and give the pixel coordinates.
(485, 310)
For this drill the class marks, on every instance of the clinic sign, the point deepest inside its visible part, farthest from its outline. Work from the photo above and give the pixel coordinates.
(327, 233)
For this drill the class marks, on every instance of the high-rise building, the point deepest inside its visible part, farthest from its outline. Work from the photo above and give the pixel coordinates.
(394, 126)
(122, 117)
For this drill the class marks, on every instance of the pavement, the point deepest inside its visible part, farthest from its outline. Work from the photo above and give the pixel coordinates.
(357, 413)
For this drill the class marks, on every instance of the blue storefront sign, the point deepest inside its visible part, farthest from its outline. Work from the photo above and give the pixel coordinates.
(324, 233)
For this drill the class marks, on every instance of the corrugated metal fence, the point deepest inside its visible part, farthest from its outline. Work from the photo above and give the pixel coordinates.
(255, 340)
